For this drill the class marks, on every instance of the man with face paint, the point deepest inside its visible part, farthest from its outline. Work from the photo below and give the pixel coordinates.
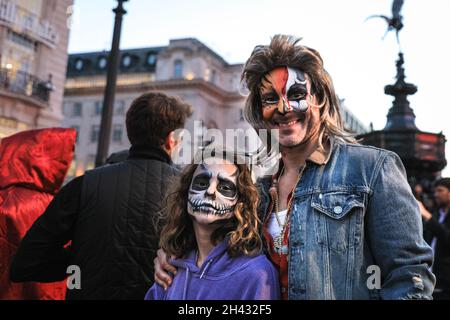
(340, 220)
(285, 99)
(212, 231)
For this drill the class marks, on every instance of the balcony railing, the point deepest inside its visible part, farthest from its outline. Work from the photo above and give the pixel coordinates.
(25, 84)
(18, 18)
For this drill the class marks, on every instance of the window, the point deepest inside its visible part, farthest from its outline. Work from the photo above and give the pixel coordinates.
(95, 133)
(27, 22)
(102, 63)
(151, 59)
(77, 109)
(120, 107)
(21, 40)
(67, 111)
(178, 69)
(98, 108)
(79, 64)
(77, 129)
(213, 76)
(117, 133)
(126, 61)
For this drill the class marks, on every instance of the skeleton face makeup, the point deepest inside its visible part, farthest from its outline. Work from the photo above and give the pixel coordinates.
(213, 193)
(284, 89)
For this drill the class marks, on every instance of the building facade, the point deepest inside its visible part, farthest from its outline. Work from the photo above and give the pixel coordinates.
(33, 58)
(352, 122)
(185, 68)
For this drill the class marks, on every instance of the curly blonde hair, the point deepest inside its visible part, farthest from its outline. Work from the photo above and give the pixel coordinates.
(177, 236)
(285, 51)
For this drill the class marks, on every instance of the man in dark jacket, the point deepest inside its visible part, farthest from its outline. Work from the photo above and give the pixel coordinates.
(108, 213)
(437, 234)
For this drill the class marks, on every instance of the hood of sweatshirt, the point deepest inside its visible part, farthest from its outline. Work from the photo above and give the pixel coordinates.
(218, 265)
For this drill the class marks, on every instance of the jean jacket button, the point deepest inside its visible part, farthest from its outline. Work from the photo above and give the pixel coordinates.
(338, 210)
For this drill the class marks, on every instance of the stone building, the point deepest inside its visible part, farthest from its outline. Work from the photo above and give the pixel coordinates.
(33, 58)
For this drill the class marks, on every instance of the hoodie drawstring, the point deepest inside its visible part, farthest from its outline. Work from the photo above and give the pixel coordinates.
(186, 281)
(206, 268)
(188, 273)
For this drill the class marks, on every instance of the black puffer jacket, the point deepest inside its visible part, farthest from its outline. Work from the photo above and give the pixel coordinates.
(108, 215)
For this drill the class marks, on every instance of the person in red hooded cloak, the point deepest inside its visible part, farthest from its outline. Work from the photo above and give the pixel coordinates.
(33, 166)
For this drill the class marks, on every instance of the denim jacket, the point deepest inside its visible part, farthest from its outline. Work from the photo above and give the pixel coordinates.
(356, 229)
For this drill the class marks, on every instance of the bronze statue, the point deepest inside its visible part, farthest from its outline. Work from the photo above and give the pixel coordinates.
(396, 21)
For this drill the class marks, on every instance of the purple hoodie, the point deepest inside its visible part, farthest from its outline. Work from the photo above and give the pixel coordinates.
(221, 277)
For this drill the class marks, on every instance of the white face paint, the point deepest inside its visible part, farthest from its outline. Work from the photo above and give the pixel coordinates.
(286, 101)
(286, 90)
(213, 193)
(296, 78)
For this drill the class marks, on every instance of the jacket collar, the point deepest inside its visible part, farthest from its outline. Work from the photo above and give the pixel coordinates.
(149, 152)
(322, 154)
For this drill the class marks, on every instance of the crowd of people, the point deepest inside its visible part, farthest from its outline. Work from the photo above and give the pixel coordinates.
(138, 228)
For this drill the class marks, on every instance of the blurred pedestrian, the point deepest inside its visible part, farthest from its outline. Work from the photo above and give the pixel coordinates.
(422, 196)
(437, 234)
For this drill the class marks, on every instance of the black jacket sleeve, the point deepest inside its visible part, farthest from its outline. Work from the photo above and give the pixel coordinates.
(438, 230)
(43, 255)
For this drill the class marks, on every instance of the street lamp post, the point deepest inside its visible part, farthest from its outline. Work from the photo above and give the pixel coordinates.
(110, 90)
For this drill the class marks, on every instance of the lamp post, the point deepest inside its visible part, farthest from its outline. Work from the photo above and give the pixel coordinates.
(110, 89)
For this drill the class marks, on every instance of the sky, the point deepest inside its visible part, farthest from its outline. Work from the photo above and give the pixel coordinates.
(359, 60)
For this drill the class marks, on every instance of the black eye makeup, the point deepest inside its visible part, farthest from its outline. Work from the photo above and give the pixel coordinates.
(227, 188)
(297, 92)
(270, 99)
(201, 182)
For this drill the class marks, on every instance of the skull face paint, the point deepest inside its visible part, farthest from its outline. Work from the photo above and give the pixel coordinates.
(213, 192)
(284, 89)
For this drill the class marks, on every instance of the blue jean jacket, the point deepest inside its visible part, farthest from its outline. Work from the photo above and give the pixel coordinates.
(356, 229)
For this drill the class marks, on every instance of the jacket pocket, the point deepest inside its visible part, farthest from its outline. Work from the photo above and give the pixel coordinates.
(338, 219)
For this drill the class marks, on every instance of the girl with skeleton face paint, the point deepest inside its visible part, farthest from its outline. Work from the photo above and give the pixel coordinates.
(212, 232)
(213, 193)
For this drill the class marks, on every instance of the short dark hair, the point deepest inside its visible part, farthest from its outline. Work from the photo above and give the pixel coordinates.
(152, 116)
(444, 182)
